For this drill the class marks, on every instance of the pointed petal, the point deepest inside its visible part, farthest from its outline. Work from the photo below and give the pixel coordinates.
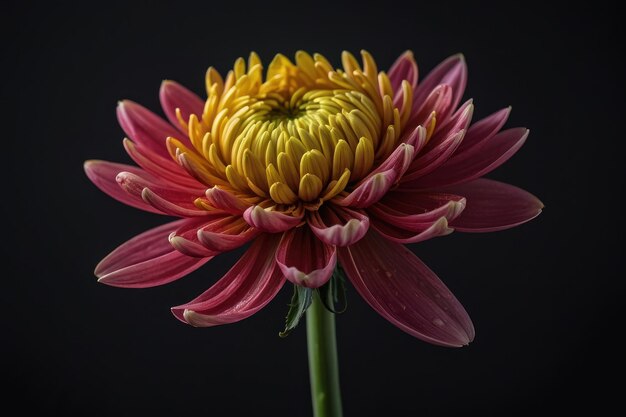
(304, 259)
(439, 102)
(474, 163)
(493, 205)
(405, 68)
(168, 199)
(252, 283)
(103, 174)
(338, 226)
(375, 186)
(418, 232)
(164, 168)
(145, 127)
(429, 161)
(226, 200)
(173, 96)
(453, 72)
(227, 234)
(480, 132)
(147, 260)
(412, 210)
(401, 288)
(270, 221)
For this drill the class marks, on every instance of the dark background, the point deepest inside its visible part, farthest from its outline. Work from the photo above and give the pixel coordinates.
(544, 297)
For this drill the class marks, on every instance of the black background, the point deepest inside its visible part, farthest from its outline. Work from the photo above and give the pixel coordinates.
(544, 297)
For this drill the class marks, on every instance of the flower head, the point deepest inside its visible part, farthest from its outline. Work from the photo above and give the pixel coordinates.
(315, 166)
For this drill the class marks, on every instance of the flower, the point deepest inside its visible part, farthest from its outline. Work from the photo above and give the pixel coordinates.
(314, 166)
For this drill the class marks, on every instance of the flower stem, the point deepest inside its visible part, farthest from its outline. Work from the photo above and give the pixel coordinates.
(323, 364)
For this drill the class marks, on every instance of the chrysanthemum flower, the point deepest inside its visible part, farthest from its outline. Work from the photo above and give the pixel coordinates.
(315, 166)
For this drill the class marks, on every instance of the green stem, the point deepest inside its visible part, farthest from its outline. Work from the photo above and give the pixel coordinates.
(323, 364)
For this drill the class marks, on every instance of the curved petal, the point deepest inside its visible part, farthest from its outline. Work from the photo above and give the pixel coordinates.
(404, 68)
(226, 234)
(225, 200)
(249, 285)
(375, 185)
(145, 127)
(483, 130)
(434, 158)
(185, 238)
(438, 102)
(474, 163)
(412, 210)
(174, 96)
(401, 288)
(270, 221)
(453, 72)
(103, 174)
(304, 259)
(168, 199)
(338, 226)
(418, 232)
(147, 260)
(160, 167)
(493, 205)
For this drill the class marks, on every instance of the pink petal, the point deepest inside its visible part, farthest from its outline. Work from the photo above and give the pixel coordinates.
(460, 120)
(270, 221)
(304, 259)
(185, 238)
(147, 260)
(412, 210)
(338, 226)
(173, 96)
(227, 234)
(225, 200)
(480, 132)
(169, 199)
(438, 101)
(405, 68)
(103, 174)
(146, 128)
(398, 285)
(419, 233)
(164, 168)
(375, 185)
(474, 163)
(493, 205)
(435, 157)
(453, 72)
(252, 283)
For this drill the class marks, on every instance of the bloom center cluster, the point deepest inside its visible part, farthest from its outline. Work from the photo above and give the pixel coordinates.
(299, 137)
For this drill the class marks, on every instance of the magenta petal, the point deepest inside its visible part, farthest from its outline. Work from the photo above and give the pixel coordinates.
(103, 174)
(434, 158)
(413, 210)
(483, 130)
(474, 163)
(338, 226)
(417, 232)
(147, 260)
(493, 205)
(270, 221)
(304, 259)
(453, 72)
(173, 96)
(167, 199)
(375, 186)
(439, 102)
(227, 234)
(185, 238)
(224, 200)
(160, 167)
(398, 285)
(146, 128)
(405, 68)
(249, 285)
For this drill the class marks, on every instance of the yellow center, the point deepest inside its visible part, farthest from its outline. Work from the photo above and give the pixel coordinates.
(298, 138)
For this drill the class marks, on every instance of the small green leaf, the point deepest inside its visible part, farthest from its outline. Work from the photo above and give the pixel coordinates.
(300, 301)
(333, 293)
